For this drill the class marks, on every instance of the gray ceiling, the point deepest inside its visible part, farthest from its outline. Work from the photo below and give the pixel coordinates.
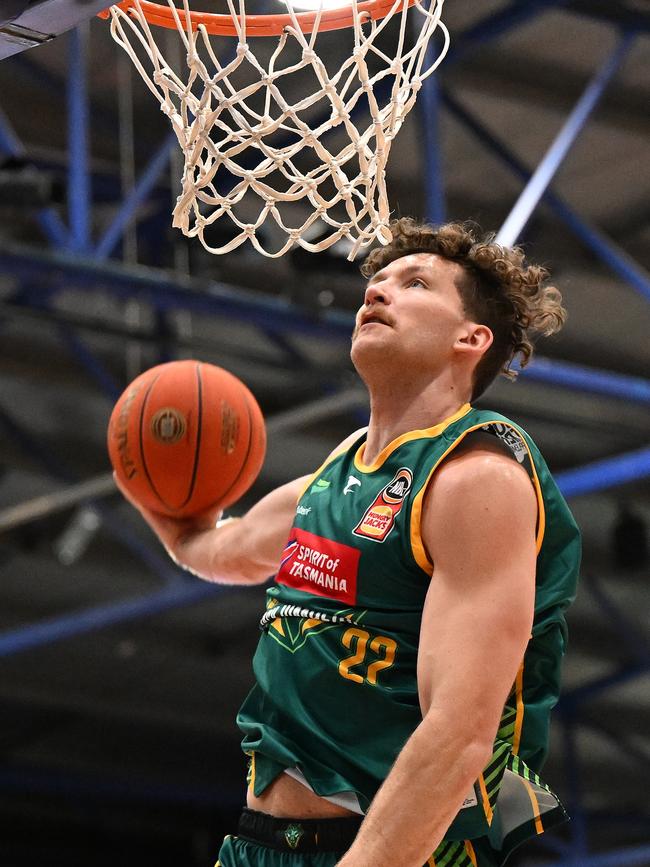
(119, 742)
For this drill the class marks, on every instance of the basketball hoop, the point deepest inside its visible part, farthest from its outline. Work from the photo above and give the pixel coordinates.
(276, 124)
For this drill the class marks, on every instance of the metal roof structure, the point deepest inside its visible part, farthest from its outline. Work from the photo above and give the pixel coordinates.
(120, 675)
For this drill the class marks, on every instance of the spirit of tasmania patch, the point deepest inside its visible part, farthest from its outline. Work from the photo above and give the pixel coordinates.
(379, 518)
(321, 566)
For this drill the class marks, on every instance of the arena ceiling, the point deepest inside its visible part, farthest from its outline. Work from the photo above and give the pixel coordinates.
(118, 734)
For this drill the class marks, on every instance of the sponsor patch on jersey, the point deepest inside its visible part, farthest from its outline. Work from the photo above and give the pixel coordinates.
(509, 437)
(353, 483)
(379, 518)
(321, 566)
(470, 801)
(319, 486)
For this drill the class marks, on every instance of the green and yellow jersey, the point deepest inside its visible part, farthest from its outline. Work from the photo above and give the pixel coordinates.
(336, 693)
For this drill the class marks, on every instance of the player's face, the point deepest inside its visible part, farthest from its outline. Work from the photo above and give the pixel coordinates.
(412, 311)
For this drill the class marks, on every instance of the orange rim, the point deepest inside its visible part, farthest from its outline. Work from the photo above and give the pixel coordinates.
(261, 25)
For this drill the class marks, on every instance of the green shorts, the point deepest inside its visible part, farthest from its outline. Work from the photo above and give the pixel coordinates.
(239, 852)
(236, 852)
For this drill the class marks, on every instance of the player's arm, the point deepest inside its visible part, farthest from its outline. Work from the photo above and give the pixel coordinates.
(235, 551)
(479, 528)
(243, 550)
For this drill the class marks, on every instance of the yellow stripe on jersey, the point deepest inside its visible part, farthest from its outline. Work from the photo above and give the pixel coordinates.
(417, 545)
(277, 625)
(519, 719)
(386, 452)
(332, 457)
(487, 807)
(539, 827)
(471, 854)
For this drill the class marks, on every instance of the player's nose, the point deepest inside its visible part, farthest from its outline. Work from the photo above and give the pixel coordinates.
(377, 293)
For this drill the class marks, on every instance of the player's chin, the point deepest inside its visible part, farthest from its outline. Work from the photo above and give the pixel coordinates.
(368, 346)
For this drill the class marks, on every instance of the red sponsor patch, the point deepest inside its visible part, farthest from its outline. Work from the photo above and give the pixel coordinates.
(321, 566)
(380, 516)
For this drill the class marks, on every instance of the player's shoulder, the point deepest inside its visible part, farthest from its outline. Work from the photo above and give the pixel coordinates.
(481, 466)
(474, 495)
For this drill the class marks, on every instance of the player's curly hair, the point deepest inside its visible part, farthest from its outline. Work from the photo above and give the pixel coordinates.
(501, 290)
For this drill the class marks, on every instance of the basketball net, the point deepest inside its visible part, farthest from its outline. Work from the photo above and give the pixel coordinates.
(241, 137)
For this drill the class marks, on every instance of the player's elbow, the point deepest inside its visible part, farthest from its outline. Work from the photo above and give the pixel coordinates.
(470, 732)
(471, 745)
(474, 756)
(219, 564)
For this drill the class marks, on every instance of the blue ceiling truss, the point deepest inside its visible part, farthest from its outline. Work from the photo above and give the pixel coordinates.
(75, 258)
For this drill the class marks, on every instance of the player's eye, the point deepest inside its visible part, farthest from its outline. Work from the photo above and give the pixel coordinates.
(417, 281)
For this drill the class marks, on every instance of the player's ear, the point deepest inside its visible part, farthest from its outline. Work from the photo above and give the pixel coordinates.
(475, 338)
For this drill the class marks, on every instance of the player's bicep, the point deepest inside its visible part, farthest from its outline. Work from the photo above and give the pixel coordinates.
(479, 527)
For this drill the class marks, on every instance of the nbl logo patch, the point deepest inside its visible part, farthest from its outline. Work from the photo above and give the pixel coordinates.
(379, 518)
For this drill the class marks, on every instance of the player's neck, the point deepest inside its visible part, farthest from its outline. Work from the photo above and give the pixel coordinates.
(397, 410)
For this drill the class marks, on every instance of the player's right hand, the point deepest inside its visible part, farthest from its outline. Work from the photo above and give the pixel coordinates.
(171, 531)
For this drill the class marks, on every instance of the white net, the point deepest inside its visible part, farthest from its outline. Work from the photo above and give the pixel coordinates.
(274, 142)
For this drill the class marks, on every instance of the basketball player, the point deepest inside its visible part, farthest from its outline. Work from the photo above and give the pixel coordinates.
(412, 638)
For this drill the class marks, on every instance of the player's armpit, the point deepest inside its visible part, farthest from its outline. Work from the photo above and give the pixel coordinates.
(478, 526)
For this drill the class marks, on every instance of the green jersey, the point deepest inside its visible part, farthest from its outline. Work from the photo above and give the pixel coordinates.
(336, 693)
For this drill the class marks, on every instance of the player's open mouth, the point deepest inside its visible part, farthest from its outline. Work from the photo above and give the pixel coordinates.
(372, 320)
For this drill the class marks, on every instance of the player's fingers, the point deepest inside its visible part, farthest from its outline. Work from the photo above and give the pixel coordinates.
(166, 527)
(125, 492)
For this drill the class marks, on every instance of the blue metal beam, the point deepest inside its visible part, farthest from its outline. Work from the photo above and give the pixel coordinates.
(79, 193)
(167, 292)
(160, 565)
(275, 314)
(606, 250)
(579, 694)
(554, 157)
(497, 24)
(429, 102)
(90, 363)
(179, 594)
(128, 210)
(48, 219)
(609, 253)
(604, 474)
(581, 378)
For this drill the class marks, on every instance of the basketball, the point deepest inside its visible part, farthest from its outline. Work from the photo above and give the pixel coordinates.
(186, 436)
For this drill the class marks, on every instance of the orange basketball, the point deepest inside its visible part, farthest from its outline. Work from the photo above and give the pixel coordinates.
(186, 436)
